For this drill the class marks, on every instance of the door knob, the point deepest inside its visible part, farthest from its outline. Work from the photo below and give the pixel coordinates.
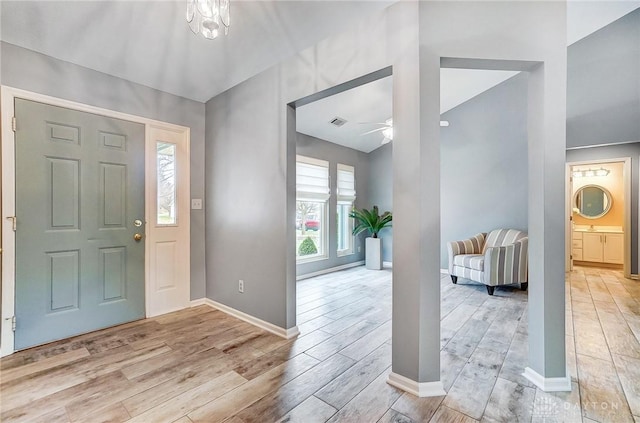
(137, 237)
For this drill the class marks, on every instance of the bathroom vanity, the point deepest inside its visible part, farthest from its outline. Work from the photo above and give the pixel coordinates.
(598, 245)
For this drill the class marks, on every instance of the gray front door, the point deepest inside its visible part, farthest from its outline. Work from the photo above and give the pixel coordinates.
(79, 190)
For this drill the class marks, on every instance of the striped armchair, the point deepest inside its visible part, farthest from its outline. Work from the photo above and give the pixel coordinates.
(500, 258)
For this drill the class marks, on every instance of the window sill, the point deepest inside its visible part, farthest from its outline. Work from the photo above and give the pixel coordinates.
(311, 259)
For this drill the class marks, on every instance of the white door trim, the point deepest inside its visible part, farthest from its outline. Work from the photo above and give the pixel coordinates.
(626, 175)
(7, 97)
(165, 293)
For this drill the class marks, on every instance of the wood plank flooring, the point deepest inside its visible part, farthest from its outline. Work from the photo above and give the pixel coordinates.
(201, 365)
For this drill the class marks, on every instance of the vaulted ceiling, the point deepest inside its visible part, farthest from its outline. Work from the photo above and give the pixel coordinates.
(149, 42)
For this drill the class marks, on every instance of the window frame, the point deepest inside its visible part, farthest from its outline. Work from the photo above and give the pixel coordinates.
(320, 195)
(345, 198)
(175, 170)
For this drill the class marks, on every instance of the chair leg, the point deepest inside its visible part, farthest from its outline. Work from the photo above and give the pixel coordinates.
(524, 286)
(490, 289)
(454, 279)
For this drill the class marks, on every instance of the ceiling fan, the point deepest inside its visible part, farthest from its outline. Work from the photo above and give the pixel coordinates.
(386, 128)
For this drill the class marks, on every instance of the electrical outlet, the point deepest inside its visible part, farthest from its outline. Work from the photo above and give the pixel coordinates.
(241, 286)
(196, 203)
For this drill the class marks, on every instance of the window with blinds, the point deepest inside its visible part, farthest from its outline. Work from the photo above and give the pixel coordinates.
(312, 195)
(346, 195)
(346, 187)
(312, 179)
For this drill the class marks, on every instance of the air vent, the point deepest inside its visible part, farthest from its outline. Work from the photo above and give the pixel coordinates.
(338, 121)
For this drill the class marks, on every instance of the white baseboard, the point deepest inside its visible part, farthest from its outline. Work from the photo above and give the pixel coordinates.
(419, 389)
(269, 327)
(444, 271)
(199, 302)
(634, 276)
(330, 270)
(387, 264)
(549, 384)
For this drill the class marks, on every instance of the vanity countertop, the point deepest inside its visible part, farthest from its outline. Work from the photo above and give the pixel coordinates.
(600, 230)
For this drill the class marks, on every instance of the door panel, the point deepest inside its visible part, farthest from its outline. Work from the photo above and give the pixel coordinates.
(79, 188)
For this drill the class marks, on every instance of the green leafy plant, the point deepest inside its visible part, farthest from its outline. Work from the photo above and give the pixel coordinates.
(370, 221)
(307, 247)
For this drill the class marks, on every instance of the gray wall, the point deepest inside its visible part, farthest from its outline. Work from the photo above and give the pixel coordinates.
(334, 154)
(603, 86)
(615, 152)
(484, 164)
(381, 191)
(28, 70)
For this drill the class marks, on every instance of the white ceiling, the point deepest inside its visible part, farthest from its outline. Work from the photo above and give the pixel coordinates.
(149, 42)
(359, 106)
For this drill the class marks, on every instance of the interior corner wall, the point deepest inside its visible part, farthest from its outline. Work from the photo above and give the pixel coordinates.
(334, 154)
(381, 191)
(616, 152)
(603, 85)
(32, 71)
(484, 168)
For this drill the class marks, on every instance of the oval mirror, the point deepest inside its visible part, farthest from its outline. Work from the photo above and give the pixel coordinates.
(592, 201)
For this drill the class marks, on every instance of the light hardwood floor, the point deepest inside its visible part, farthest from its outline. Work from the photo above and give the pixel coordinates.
(200, 365)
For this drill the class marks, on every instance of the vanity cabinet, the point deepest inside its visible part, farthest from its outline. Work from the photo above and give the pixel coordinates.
(599, 247)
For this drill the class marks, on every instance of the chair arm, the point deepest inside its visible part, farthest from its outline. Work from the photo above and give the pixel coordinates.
(508, 264)
(471, 245)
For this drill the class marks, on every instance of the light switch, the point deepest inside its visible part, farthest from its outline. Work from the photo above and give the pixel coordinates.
(196, 203)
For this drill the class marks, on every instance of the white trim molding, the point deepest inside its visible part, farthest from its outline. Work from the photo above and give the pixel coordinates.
(387, 265)
(548, 384)
(269, 327)
(444, 271)
(419, 389)
(330, 270)
(199, 302)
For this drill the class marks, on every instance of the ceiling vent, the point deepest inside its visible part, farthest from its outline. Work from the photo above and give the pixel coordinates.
(338, 121)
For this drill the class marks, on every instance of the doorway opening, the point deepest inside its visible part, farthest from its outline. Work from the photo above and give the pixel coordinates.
(343, 161)
(599, 205)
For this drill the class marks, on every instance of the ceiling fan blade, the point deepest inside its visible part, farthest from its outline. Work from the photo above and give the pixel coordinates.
(373, 130)
(385, 141)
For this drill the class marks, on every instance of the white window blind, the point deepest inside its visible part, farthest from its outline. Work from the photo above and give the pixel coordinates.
(346, 184)
(312, 179)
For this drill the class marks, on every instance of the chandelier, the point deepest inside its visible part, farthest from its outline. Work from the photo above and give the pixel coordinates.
(208, 17)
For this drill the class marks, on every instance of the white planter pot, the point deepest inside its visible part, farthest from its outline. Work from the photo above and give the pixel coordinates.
(373, 253)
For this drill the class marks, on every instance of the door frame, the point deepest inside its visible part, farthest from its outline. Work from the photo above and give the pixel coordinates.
(626, 182)
(7, 98)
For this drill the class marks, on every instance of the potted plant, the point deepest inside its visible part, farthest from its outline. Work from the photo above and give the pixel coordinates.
(373, 222)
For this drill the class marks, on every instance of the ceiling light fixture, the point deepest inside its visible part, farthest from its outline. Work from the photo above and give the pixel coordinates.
(208, 17)
(388, 131)
(588, 173)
